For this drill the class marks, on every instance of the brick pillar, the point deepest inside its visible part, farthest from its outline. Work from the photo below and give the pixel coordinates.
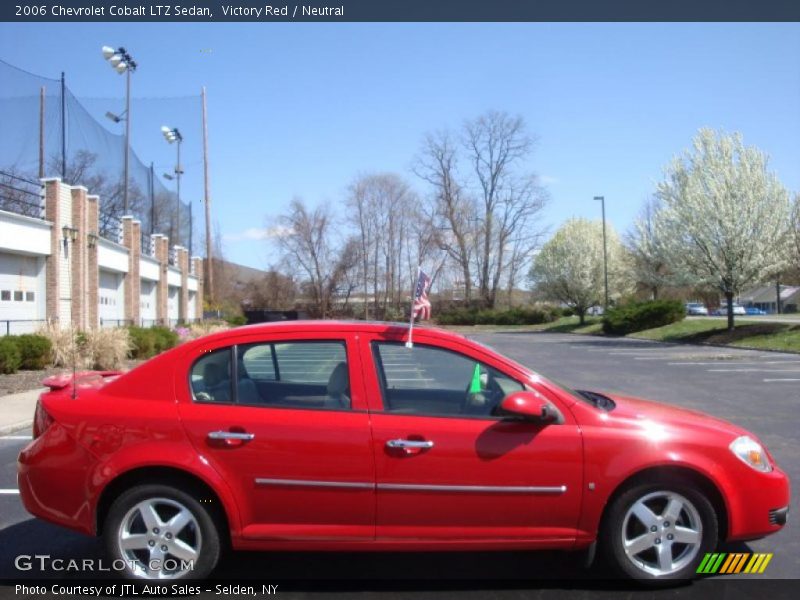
(182, 260)
(78, 258)
(162, 290)
(132, 240)
(92, 268)
(52, 212)
(197, 269)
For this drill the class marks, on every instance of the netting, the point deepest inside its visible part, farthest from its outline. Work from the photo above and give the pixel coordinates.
(83, 147)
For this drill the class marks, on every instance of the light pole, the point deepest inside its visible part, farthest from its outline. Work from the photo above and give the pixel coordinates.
(172, 135)
(602, 200)
(122, 62)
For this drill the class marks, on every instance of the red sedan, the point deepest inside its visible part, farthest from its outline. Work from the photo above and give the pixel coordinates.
(335, 436)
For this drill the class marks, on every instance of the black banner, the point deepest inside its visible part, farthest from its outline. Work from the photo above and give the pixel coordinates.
(400, 10)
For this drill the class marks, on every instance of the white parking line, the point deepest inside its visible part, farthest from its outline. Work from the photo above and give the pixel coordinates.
(775, 380)
(16, 437)
(753, 370)
(740, 362)
(9, 491)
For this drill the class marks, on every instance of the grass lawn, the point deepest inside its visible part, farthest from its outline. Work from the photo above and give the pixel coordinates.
(747, 334)
(593, 325)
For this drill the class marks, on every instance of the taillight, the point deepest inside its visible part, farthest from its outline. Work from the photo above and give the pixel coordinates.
(41, 420)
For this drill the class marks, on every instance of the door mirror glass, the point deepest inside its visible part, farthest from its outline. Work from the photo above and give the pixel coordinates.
(529, 406)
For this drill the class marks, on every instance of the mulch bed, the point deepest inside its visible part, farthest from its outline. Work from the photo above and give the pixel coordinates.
(22, 381)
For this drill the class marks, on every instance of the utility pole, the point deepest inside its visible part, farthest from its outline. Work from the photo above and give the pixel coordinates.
(209, 259)
(63, 130)
(127, 139)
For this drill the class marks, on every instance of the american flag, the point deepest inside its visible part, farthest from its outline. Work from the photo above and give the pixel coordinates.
(421, 306)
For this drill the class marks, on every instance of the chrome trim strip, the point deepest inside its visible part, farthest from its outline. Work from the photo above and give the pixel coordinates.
(479, 489)
(410, 487)
(314, 483)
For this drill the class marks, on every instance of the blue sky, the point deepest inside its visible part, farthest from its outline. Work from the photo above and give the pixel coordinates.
(301, 109)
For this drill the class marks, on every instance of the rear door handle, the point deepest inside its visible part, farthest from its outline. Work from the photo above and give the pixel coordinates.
(410, 446)
(230, 438)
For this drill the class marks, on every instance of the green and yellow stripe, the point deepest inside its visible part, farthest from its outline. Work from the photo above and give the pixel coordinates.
(734, 562)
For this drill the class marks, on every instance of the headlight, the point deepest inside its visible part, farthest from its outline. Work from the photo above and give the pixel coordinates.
(751, 452)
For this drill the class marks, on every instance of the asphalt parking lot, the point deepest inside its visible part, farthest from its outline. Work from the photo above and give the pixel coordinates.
(758, 390)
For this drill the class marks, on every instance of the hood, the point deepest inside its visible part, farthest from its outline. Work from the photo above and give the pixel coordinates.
(667, 415)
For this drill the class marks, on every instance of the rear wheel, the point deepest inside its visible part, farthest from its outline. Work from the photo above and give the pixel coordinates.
(656, 532)
(161, 532)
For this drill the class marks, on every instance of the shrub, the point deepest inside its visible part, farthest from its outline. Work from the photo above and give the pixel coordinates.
(236, 320)
(638, 316)
(10, 358)
(143, 342)
(163, 338)
(34, 351)
(107, 349)
(486, 316)
(62, 344)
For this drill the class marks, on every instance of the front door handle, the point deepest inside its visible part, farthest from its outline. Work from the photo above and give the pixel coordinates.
(409, 446)
(230, 438)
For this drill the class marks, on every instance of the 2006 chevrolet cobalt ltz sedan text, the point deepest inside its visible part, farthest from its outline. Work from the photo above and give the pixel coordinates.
(331, 435)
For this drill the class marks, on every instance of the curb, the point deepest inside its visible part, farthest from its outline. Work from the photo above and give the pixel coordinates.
(14, 427)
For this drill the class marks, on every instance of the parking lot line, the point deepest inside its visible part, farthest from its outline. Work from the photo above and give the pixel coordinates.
(740, 362)
(9, 491)
(749, 370)
(776, 380)
(16, 437)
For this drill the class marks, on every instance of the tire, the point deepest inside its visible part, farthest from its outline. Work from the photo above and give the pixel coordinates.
(161, 532)
(640, 534)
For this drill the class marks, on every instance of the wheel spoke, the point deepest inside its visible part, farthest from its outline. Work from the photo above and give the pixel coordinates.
(639, 544)
(150, 516)
(133, 541)
(183, 551)
(673, 510)
(684, 535)
(156, 554)
(179, 521)
(665, 557)
(644, 514)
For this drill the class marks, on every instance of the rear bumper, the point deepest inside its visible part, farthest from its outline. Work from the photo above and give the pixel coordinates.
(52, 476)
(761, 506)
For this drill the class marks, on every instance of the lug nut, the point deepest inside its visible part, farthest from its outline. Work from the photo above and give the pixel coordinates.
(151, 543)
(155, 530)
(670, 536)
(169, 536)
(654, 529)
(658, 540)
(666, 523)
(164, 548)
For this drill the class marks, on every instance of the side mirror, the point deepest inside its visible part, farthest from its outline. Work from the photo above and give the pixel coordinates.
(529, 406)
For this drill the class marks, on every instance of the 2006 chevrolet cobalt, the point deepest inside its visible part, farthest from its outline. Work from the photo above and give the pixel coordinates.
(335, 436)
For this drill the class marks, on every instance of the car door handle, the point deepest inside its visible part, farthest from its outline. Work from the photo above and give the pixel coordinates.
(410, 446)
(230, 438)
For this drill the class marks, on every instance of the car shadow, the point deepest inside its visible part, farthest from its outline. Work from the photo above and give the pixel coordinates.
(335, 571)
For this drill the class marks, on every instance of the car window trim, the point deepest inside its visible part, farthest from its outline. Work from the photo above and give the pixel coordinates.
(378, 362)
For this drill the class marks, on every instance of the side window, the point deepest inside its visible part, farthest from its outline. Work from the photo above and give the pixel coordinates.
(425, 380)
(294, 374)
(211, 377)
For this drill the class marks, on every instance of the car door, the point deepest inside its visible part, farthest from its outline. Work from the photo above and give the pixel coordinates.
(284, 422)
(447, 469)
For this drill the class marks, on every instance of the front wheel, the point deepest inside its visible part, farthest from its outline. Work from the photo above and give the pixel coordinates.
(161, 532)
(656, 532)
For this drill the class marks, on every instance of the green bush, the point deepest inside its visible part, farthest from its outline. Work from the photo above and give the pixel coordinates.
(10, 358)
(34, 351)
(236, 320)
(487, 316)
(164, 338)
(638, 316)
(143, 342)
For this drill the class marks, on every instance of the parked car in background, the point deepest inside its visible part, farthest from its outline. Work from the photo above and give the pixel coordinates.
(752, 310)
(327, 435)
(696, 309)
(722, 311)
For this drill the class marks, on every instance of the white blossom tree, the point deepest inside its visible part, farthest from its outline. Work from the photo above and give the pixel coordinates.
(569, 267)
(724, 216)
(649, 261)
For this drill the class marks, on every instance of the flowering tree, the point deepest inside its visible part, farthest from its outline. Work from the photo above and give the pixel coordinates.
(724, 216)
(569, 267)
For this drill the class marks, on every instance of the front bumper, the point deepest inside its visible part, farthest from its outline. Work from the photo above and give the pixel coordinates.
(760, 505)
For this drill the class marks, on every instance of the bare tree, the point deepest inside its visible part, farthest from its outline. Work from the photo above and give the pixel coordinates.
(275, 290)
(650, 263)
(453, 212)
